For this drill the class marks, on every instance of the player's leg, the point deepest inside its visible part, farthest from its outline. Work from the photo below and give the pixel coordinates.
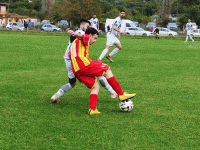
(93, 99)
(191, 38)
(186, 38)
(103, 54)
(116, 86)
(107, 86)
(66, 87)
(116, 50)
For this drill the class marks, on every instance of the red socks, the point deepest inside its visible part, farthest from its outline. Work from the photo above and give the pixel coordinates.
(115, 85)
(93, 101)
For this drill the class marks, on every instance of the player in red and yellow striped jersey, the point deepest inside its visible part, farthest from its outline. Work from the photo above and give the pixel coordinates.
(87, 70)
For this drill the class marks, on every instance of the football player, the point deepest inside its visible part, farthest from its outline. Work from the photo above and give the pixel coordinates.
(87, 70)
(84, 24)
(112, 39)
(189, 29)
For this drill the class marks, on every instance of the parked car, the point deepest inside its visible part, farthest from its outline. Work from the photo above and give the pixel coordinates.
(45, 22)
(136, 23)
(9, 25)
(196, 33)
(49, 27)
(138, 31)
(15, 26)
(151, 25)
(194, 25)
(172, 26)
(64, 23)
(166, 32)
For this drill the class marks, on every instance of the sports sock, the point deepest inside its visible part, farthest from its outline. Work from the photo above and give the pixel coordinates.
(106, 85)
(93, 101)
(191, 38)
(60, 93)
(103, 53)
(115, 85)
(186, 38)
(66, 87)
(114, 52)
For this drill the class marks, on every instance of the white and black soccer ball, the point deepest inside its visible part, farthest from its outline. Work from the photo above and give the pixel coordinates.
(126, 105)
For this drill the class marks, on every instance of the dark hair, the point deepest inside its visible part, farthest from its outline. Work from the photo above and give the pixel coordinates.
(91, 31)
(82, 21)
(122, 10)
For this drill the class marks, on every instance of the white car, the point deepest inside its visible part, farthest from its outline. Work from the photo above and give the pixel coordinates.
(166, 32)
(15, 26)
(137, 31)
(49, 27)
(196, 33)
(9, 26)
(194, 25)
(172, 26)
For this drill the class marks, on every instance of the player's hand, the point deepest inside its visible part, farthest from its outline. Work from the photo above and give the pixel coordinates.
(123, 32)
(72, 33)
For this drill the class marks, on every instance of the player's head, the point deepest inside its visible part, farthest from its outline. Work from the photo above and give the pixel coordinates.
(94, 16)
(93, 33)
(189, 20)
(84, 24)
(122, 13)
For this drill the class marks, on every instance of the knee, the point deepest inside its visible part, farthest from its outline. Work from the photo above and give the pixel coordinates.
(120, 47)
(73, 85)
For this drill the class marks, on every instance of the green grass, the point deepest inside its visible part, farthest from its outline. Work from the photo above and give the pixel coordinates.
(164, 73)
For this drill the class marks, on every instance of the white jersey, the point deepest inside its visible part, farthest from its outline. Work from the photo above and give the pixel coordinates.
(94, 22)
(189, 26)
(66, 56)
(118, 22)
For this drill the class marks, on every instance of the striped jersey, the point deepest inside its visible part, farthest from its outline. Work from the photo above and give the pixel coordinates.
(69, 45)
(118, 23)
(189, 26)
(80, 53)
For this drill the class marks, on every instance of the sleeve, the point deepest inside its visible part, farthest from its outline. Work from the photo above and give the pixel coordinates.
(116, 22)
(85, 39)
(97, 21)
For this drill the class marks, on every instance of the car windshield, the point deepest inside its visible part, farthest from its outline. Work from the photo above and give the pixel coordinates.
(141, 29)
(172, 24)
(53, 26)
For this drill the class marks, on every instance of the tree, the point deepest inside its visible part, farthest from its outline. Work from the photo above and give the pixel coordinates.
(75, 10)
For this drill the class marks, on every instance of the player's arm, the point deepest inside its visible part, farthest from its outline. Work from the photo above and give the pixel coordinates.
(72, 33)
(118, 30)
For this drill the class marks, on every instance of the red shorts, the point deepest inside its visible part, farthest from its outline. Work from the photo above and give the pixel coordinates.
(88, 74)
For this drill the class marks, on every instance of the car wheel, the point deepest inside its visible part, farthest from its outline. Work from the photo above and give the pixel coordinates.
(54, 30)
(144, 34)
(170, 34)
(42, 29)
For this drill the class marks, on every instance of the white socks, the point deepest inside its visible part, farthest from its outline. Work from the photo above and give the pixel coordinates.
(64, 89)
(103, 53)
(114, 52)
(106, 85)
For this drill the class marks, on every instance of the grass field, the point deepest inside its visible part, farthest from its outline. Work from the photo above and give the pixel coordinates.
(164, 73)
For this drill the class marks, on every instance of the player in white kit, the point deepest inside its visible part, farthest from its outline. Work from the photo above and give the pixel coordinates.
(94, 22)
(112, 39)
(84, 24)
(189, 29)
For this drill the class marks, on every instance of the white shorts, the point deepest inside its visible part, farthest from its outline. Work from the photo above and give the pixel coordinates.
(69, 68)
(111, 39)
(188, 32)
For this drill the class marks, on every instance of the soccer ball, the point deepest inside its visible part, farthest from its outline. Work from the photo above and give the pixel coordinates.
(126, 105)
